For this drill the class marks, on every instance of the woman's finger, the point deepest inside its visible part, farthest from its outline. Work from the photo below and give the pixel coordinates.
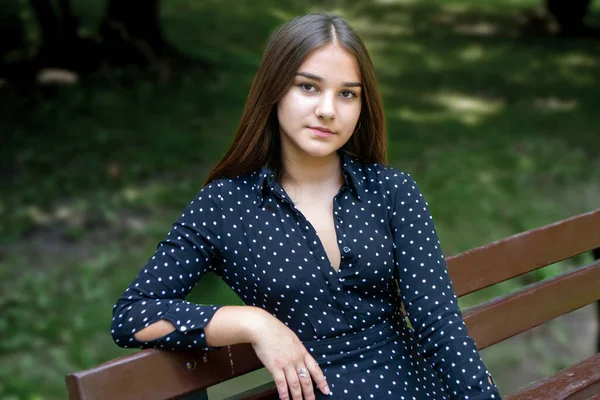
(293, 383)
(316, 374)
(306, 382)
(281, 384)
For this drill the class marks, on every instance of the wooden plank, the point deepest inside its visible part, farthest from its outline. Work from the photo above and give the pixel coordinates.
(518, 254)
(155, 374)
(509, 315)
(577, 382)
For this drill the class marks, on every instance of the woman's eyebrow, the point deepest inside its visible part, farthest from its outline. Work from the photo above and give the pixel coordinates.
(319, 79)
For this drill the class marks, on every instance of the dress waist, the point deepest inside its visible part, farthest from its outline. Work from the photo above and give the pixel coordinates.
(330, 349)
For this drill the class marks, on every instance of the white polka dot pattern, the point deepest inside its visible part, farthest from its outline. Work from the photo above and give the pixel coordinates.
(249, 232)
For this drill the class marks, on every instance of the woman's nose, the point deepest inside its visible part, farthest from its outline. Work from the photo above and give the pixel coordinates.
(326, 106)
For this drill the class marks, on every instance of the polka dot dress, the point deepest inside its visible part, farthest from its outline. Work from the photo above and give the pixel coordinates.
(249, 232)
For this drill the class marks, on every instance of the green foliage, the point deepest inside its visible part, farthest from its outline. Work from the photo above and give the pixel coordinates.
(55, 321)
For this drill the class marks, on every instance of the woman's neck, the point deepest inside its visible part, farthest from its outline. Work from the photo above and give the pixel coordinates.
(311, 173)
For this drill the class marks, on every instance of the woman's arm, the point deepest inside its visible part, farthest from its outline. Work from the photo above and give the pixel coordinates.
(152, 311)
(429, 298)
(229, 325)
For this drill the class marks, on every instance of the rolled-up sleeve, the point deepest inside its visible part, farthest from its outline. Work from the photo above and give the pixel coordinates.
(190, 249)
(429, 298)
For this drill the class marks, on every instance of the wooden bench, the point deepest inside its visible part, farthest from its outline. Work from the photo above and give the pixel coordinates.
(155, 374)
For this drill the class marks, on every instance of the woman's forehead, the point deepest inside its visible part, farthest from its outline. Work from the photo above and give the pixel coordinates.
(332, 63)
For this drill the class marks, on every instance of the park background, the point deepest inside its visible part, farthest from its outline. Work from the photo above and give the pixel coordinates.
(491, 106)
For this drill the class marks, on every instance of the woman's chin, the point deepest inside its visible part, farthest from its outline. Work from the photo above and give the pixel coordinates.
(320, 150)
(321, 153)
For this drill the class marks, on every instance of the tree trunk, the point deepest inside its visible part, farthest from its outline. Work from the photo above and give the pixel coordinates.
(12, 38)
(132, 35)
(47, 21)
(61, 46)
(569, 15)
(131, 32)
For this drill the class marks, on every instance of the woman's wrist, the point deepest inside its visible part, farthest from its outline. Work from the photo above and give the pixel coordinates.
(254, 323)
(236, 324)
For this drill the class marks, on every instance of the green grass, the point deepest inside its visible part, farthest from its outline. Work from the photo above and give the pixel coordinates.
(498, 129)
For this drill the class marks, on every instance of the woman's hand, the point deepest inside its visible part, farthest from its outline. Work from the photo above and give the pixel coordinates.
(286, 358)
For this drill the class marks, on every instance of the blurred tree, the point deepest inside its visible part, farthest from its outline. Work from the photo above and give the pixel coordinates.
(61, 46)
(570, 16)
(13, 42)
(133, 25)
(130, 34)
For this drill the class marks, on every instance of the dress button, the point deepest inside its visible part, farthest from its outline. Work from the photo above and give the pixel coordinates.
(346, 249)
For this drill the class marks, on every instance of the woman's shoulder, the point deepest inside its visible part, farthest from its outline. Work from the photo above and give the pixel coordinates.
(395, 177)
(239, 182)
(378, 173)
(221, 189)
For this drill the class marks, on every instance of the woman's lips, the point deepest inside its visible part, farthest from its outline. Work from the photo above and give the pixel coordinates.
(321, 133)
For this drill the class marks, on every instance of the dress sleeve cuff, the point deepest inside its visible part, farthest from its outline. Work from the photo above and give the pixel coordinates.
(187, 317)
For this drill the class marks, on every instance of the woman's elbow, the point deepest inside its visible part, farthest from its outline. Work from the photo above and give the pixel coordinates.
(121, 334)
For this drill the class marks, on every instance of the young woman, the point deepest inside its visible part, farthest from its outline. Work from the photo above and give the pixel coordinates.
(322, 242)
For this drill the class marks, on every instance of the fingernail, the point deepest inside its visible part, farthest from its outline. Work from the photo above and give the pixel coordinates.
(327, 391)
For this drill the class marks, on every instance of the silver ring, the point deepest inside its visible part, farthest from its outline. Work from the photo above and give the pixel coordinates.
(302, 373)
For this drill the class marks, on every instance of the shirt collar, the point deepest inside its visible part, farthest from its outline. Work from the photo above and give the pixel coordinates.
(352, 173)
(265, 178)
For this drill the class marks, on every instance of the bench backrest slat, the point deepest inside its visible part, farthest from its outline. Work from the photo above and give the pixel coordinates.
(509, 315)
(577, 382)
(518, 254)
(154, 374)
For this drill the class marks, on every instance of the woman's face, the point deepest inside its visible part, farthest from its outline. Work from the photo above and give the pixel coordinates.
(320, 110)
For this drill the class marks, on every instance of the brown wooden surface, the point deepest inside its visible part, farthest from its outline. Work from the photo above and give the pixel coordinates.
(577, 382)
(506, 316)
(518, 254)
(153, 374)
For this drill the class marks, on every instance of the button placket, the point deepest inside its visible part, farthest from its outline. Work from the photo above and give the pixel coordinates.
(345, 300)
(312, 238)
(346, 267)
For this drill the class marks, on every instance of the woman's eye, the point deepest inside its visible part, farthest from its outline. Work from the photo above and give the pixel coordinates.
(307, 86)
(348, 94)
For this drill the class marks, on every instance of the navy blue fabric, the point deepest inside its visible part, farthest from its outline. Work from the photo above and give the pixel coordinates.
(249, 232)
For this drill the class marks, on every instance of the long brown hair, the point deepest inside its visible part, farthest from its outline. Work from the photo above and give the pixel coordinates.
(257, 143)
